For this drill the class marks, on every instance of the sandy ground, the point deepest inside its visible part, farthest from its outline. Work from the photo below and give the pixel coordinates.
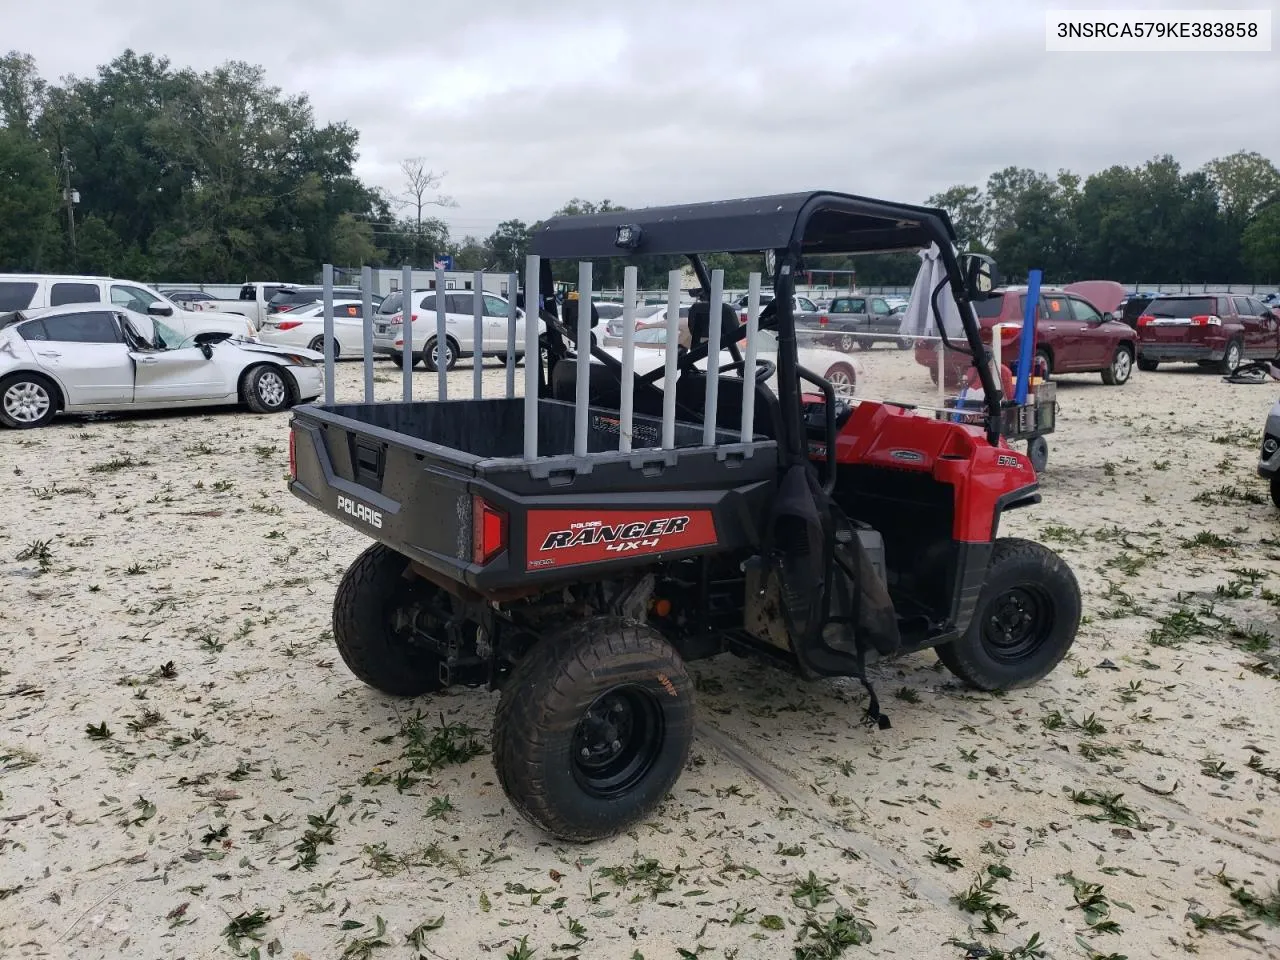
(182, 759)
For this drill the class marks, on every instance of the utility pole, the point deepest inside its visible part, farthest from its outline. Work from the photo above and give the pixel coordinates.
(71, 197)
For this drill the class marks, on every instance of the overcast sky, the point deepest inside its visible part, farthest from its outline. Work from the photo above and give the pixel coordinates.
(527, 103)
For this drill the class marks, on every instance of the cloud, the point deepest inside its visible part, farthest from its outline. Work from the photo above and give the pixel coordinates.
(526, 105)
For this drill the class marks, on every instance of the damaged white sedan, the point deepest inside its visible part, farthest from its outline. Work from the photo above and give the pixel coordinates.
(94, 357)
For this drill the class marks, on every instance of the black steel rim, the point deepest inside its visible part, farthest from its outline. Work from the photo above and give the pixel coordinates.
(1016, 623)
(617, 741)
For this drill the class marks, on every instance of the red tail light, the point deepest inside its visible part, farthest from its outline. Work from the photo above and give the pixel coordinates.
(1205, 320)
(823, 320)
(288, 325)
(293, 458)
(1145, 319)
(488, 530)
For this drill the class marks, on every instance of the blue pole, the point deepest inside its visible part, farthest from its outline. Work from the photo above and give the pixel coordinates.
(1027, 343)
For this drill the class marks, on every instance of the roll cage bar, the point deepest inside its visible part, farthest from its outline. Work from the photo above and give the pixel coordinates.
(791, 226)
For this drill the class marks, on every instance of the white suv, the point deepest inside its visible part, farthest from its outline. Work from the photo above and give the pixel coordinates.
(388, 328)
(31, 291)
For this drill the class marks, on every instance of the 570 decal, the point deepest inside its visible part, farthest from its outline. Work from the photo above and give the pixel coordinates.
(560, 538)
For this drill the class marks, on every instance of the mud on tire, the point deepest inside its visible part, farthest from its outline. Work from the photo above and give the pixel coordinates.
(369, 594)
(1025, 621)
(593, 728)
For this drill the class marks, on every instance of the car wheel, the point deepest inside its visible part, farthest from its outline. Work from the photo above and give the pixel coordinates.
(1121, 367)
(846, 343)
(1230, 358)
(1038, 453)
(431, 359)
(373, 602)
(265, 389)
(906, 343)
(1275, 489)
(842, 379)
(1042, 356)
(1025, 621)
(1148, 366)
(866, 343)
(317, 344)
(593, 728)
(27, 400)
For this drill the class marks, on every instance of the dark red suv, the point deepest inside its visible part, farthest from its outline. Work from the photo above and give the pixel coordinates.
(1072, 336)
(1213, 330)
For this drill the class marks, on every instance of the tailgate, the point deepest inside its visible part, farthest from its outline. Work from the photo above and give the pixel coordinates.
(386, 486)
(1170, 330)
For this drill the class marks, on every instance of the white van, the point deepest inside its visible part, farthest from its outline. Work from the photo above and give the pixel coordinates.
(30, 291)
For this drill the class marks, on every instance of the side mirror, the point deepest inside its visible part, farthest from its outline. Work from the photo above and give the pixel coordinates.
(160, 310)
(980, 276)
(1108, 317)
(206, 340)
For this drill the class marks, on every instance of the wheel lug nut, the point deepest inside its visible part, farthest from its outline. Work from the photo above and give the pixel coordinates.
(586, 752)
(617, 744)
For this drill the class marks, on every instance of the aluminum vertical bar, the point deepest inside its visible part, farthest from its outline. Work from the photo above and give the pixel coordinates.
(630, 278)
(669, 377)
(366, 332)
(513, 284)
(532, 355)
(442, 337)
(477, 336)
(749, 361)
(328, 332)
(406, 347)
(714, 335)
(582, 395)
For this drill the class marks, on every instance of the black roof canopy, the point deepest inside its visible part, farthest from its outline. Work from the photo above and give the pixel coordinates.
(820, 222)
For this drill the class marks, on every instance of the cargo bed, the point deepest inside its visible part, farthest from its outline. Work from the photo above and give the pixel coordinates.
(447, 485)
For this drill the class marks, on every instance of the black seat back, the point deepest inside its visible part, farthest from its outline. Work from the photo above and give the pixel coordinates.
(691, 392)
(700, 324)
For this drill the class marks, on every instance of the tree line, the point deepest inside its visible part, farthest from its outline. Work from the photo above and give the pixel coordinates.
(149, 171)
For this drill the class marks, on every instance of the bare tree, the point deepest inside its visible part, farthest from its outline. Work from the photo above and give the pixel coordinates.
(420, 183)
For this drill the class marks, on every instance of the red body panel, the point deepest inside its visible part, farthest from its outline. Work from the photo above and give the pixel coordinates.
(569, 538)
(891, 438)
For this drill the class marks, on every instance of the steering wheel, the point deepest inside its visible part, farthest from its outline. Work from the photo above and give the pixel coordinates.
(764, 368)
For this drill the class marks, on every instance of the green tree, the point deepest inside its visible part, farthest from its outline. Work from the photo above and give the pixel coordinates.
(1260, 243)
(967, 208)
(28, 202)
(22, 92)
(510, 245)
(352, 243)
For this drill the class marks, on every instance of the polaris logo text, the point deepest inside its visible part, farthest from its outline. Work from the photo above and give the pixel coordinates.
(360, 512)
(621, 538)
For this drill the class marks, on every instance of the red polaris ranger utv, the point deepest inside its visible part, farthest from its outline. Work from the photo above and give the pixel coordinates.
(577, 546)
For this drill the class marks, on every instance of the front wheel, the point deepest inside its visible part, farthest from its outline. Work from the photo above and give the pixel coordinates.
(842, 379)
(1230, 358)
(1024, 623)
(594, 727)
(266, 389)
(1121, 368)
(906, 343)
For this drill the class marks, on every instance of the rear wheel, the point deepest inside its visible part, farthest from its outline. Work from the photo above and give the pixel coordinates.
(371, 614)
(846, 342)
(906, 343)
(1231, 358)
(1038, 453)
(1121, 367)
(866, 343)
(317, 344)
(1147, 365)
(431, 356)
(1025, 620)
(27, 400)
(593, 728)
(266, 389)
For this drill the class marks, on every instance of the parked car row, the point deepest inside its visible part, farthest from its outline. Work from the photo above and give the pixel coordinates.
(96, 357)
